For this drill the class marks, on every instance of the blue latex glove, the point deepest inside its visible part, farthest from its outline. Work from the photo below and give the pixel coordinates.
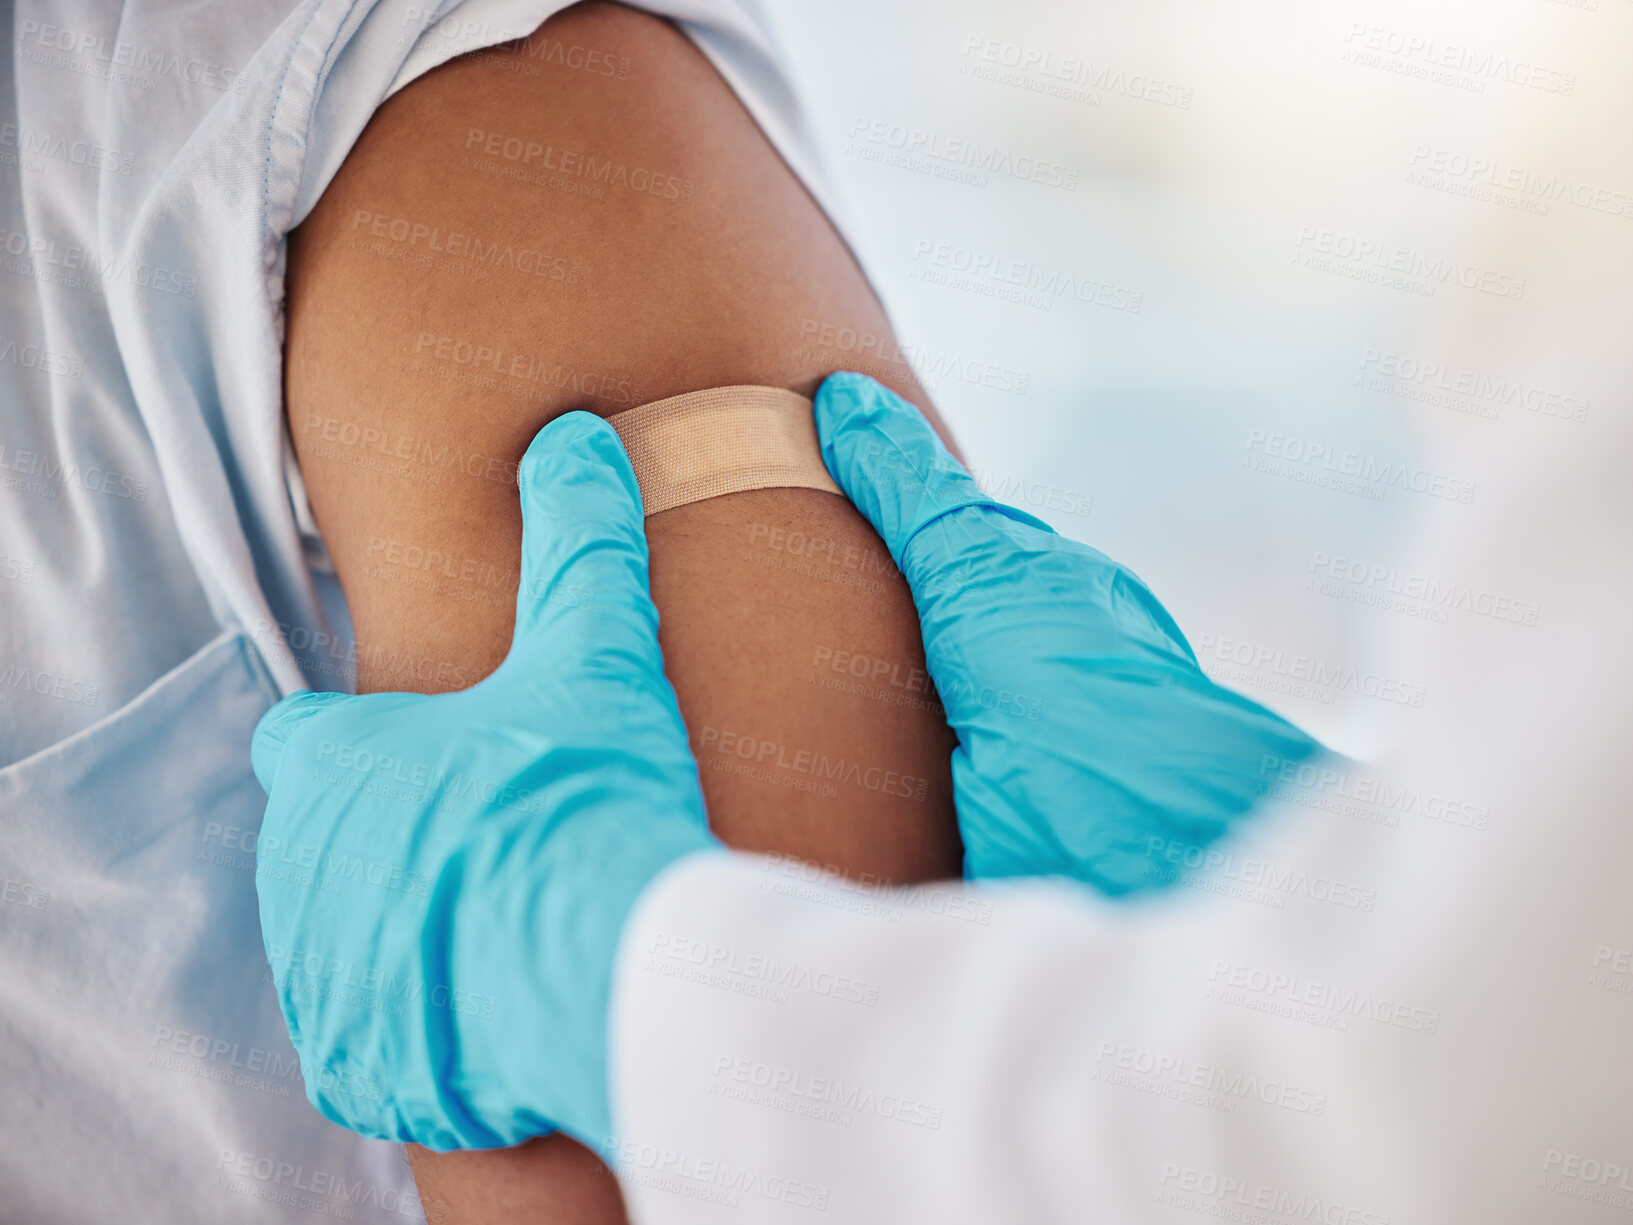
(1090, 742)
(443, 879)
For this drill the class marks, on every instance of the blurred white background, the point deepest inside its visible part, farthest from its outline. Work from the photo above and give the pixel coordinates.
(1380, 257)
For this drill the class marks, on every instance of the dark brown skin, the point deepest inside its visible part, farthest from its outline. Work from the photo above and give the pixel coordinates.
(418, 368)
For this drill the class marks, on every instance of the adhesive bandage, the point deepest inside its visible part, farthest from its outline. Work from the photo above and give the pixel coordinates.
(722, 440)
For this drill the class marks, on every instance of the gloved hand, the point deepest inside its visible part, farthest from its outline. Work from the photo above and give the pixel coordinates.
(1090, 742)
(443, 879)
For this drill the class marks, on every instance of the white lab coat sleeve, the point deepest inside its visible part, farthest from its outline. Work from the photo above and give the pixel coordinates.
(782, 1045)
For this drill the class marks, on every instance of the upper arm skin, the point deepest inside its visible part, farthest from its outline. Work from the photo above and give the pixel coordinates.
(421, 359)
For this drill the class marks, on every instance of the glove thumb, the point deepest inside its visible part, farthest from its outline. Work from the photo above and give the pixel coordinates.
(892, 466)
(583, 535)
(279, 725)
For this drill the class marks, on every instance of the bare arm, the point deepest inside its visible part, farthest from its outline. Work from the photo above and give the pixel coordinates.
(514, 237)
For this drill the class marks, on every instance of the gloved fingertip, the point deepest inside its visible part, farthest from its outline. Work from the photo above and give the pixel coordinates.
(568, 441)
(862, 438)
(842, 401)
(583, 526)
(888, 459)
(849, 383)
(278, 726)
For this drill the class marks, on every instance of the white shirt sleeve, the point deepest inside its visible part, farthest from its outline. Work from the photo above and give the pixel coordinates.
(1279, 1043)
